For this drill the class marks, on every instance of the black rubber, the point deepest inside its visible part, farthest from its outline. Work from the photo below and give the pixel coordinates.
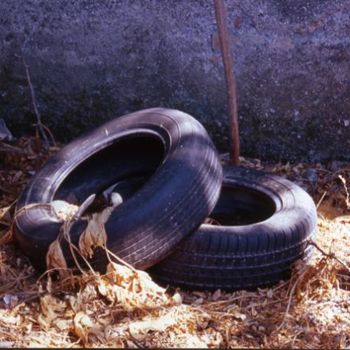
(267, 221)
(185, 177)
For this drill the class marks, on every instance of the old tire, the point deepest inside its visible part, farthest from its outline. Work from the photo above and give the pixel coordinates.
(266, 223)
(182, 190)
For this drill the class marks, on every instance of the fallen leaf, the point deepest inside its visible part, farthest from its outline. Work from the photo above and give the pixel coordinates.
(5, 215)
(64, 324)
(82, 325)
(9, 319)
(216, 295)
(269, 293)
(51, 309)
(134, 289)
(64, 210)
(95, 234)
(139, 329)
(55, 258)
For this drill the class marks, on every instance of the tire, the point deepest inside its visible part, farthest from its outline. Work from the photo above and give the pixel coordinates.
(267, 221)
(183, 185)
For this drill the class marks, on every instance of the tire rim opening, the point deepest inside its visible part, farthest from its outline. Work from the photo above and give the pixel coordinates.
(240, 205)
(129, 157)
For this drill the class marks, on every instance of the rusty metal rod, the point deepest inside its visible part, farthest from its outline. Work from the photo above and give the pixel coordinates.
(225, 47)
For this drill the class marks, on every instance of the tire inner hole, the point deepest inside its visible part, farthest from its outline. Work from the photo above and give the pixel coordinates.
(239, 205)
(122, 167)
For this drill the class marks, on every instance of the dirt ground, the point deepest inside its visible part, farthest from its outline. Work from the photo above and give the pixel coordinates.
(124, 308)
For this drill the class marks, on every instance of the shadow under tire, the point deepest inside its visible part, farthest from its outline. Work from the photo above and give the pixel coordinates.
(266, 222)
(184, 185)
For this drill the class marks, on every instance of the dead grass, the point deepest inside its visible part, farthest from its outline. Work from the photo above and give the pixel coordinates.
(124, 308)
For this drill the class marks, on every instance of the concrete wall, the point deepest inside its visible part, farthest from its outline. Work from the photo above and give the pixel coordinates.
(92, 60)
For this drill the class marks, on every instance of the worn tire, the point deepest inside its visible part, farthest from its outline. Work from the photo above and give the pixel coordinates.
(174, 201)
(280, 218)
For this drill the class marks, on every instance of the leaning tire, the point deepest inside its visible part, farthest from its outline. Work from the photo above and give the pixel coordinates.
(181, 191)
(267, 221)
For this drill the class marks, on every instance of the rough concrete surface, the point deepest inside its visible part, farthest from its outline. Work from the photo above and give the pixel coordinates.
(93, 60)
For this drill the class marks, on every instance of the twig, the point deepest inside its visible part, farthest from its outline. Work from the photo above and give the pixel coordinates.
(320, 201)
(8, 148)
(136, 342)
(329, 255)
(282, 285)
(39, 123)
(347, 200)
(6, 238)
(230, 79)
(50, 134)
(291, 296)
(109, 253)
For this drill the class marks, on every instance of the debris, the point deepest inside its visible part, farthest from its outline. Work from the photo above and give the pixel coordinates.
(95, 234)
(139, 329)
(125, 308)
(55, 258)
(347, 199)
(64, 210)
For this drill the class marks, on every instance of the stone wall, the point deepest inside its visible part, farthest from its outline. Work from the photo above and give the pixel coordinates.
(93, 60)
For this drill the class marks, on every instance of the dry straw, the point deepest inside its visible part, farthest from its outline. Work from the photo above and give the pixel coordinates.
(125, 308)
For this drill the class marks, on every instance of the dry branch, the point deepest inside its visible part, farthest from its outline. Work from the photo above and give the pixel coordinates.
(43, 130)
(329, 255)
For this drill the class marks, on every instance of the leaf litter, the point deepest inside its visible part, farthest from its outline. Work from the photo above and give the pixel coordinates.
(125, 308)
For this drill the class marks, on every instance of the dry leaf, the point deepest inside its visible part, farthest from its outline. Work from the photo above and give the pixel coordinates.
(95, 234)
(64, 210)
(55, 258)
(7, 344)
(198, 301)
(239, 316)
(9, 319)
(347, 199)
(82, 326)
(51, 309)
(140, 328)
(216, 295)
(190, 341)
(5, 237)
(135, 289)
(131, 345)
(64, 324)
(103, 289)
(88, 293)
(5, 216)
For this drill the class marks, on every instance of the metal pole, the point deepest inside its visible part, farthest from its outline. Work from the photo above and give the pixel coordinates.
(225, 48)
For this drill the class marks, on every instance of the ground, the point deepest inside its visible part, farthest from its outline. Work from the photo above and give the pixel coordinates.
(124, 308)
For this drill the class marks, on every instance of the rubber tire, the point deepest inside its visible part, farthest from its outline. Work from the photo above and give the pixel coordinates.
(246, 256)
(182, 191)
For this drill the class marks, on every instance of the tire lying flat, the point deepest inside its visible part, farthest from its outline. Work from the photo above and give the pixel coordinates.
(183, 187)
(268, 223)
